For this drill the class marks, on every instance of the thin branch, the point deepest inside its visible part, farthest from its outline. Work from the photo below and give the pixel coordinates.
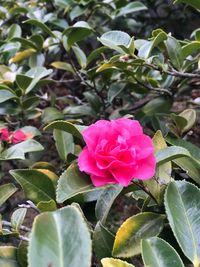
(30, 205)
(158, 90)
(174, 72)
(145, 190)
(22, 227)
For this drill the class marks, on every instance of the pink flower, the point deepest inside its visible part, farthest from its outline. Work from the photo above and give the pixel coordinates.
(18, 136)
(4, 135)
(116, 152)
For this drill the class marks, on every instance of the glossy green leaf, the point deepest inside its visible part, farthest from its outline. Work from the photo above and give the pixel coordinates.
(193, 3)
(183, 212)
(41, 25)
(66, 126)
(37, 186)
(17, 218)
(26, 43)
(158, 253)
(72, 182)
(103, 241)
(190, 48)
(192, 148)
(114, 90)
(19, 151)
(158, 184)
(8, 256)
(19, 56)
(14, 31)
(51, 114)
(47, 205)
(76, 33)
(22, 254)
(80, 55)
(105, 201)
(131, 7)
(133, 230)
(115, 39)
(174, 52)
(191, 167)
(163, 172)
(31, 78)
(190, 116)
(6, 95)
(6, 191)
(62, 66)
(64, 143)
(61, 239)
(170, 153)
(110, 262)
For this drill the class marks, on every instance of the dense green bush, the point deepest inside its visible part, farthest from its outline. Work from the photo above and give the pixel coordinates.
(65, 64)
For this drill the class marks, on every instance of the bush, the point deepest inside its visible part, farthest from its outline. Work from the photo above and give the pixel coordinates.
(81, 183)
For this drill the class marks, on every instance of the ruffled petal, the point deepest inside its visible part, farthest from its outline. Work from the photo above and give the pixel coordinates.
(123, 175)
(100, 181)
(87, 164)
(146, 168)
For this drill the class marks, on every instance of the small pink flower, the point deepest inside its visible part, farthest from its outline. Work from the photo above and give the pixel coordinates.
(116, 152)
(4, 135)
(18, 136)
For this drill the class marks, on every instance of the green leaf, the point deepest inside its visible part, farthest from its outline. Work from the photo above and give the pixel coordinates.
(170, 153)
(190, 116)
(14, 31)
(60, 238)
(47, 205)
(17, 218)
(193, 149)
(183, 212)
(115, 39)
(148, 46)
(8, 256)
(158, 253)
(67, 127)
(190, 48)
(6, 95)
(76, 33)
(42, 26)
(174, 52)
(72, 182)
(105, 202)
(114, 90)
(163, 171)
(22, 254)
(131, 7)
(62, 66)
(110, 262)
(103, 241)
(37, 186)
(80, 55)
(133, 230)
(19, 56)
(51, 114)
(18, 151)
(64, 143)
(26, 43)
(193, 3)
(6, 191)
(191, 167)
(157, 105)
(31, 78)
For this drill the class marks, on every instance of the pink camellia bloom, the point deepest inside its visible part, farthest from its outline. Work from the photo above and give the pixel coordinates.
(4, 135)
(18, 136)
(116, 152)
